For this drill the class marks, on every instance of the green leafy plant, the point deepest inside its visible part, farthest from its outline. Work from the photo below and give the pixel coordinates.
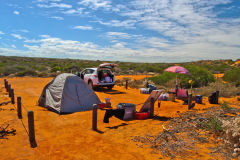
(225, 106)
(213, 124)
(233, 76)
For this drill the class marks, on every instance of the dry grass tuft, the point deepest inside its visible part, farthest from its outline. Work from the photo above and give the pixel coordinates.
(225, 89)
(132, 83)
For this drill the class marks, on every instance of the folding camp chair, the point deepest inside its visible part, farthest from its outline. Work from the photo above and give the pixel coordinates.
(147, 104)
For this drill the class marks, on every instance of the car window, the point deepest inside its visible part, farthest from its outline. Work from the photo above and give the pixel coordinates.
(83, 72)
(106, 71)
(89, 71)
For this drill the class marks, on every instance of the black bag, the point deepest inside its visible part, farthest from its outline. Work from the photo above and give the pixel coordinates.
(213, 99)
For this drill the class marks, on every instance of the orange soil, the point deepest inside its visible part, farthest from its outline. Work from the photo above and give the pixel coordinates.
(220, 75)
(136, 77)
(236, 63)
(70, 136)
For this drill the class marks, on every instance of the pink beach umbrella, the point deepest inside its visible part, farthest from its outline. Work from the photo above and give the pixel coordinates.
(177, 69)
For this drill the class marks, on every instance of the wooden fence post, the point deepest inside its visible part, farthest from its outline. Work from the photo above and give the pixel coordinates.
(126, 84)
(31, 129)
(9, 91)
(189, 101)
(12, 96)
(94, 117)
(9, 87)
(19, 107)
(6, 85)
(217, 96)
(151, 107)
(5, 82)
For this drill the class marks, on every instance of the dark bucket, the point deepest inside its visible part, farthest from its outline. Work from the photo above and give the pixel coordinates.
(198, 99)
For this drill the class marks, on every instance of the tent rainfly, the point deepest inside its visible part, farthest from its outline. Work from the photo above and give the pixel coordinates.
(68, 93)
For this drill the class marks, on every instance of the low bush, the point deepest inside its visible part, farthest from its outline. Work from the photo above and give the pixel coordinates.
(233, 76)
(213, 124)
(43, 74)
(225, 106)
(163, 78)
(27, 73)
(199, 76)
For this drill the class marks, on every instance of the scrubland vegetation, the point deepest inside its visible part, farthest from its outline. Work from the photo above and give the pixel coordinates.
(201, 75)
(45, 67)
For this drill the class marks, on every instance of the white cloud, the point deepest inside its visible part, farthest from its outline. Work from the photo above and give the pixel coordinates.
(24, 30)
(118, 35)
(155, 42)
(18, 36)
(83, 27)
(57, 18)
(16, 12)
(54, 5)
(48, 46)
(122, 35)
(78, 11)
(1, 32)
(117, 23)
(95, 4)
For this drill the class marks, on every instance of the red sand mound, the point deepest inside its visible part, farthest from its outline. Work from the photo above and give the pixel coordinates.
(70, 136)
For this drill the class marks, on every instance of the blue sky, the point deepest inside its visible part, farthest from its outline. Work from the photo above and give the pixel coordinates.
(122, 30)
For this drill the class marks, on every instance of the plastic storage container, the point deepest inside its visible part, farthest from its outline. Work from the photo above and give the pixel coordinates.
(198, 99)
(101, 105)
(144, 90)
(129, 110)
(172, 96)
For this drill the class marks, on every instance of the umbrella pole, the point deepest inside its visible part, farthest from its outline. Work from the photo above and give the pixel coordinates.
(176, 85)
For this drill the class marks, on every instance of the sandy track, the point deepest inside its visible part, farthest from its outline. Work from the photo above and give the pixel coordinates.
(70, 136)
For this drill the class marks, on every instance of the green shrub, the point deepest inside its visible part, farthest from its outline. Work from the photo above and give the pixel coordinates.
(213, 124)
(55, 69)
(199, 75)
(233, 76)
(43, 74)
(9, 70)
(225, 106)
(41, 68)
(27, 73)
(163, 78)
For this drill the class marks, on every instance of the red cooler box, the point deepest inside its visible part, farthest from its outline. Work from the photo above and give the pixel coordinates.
(141, 115)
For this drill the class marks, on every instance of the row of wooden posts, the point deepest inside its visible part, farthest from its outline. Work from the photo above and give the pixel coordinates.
(30, 113)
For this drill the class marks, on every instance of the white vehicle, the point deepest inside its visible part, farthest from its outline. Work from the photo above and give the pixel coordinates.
(99, 77)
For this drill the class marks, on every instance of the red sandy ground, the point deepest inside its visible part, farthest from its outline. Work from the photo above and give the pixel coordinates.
(70, 136)
(136, 77)
(220, 75)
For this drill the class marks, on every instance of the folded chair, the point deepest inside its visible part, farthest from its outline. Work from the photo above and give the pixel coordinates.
(147, 104)
(121, 113)
(181, 94)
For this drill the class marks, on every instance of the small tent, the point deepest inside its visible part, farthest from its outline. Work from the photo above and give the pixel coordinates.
(68, 93)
